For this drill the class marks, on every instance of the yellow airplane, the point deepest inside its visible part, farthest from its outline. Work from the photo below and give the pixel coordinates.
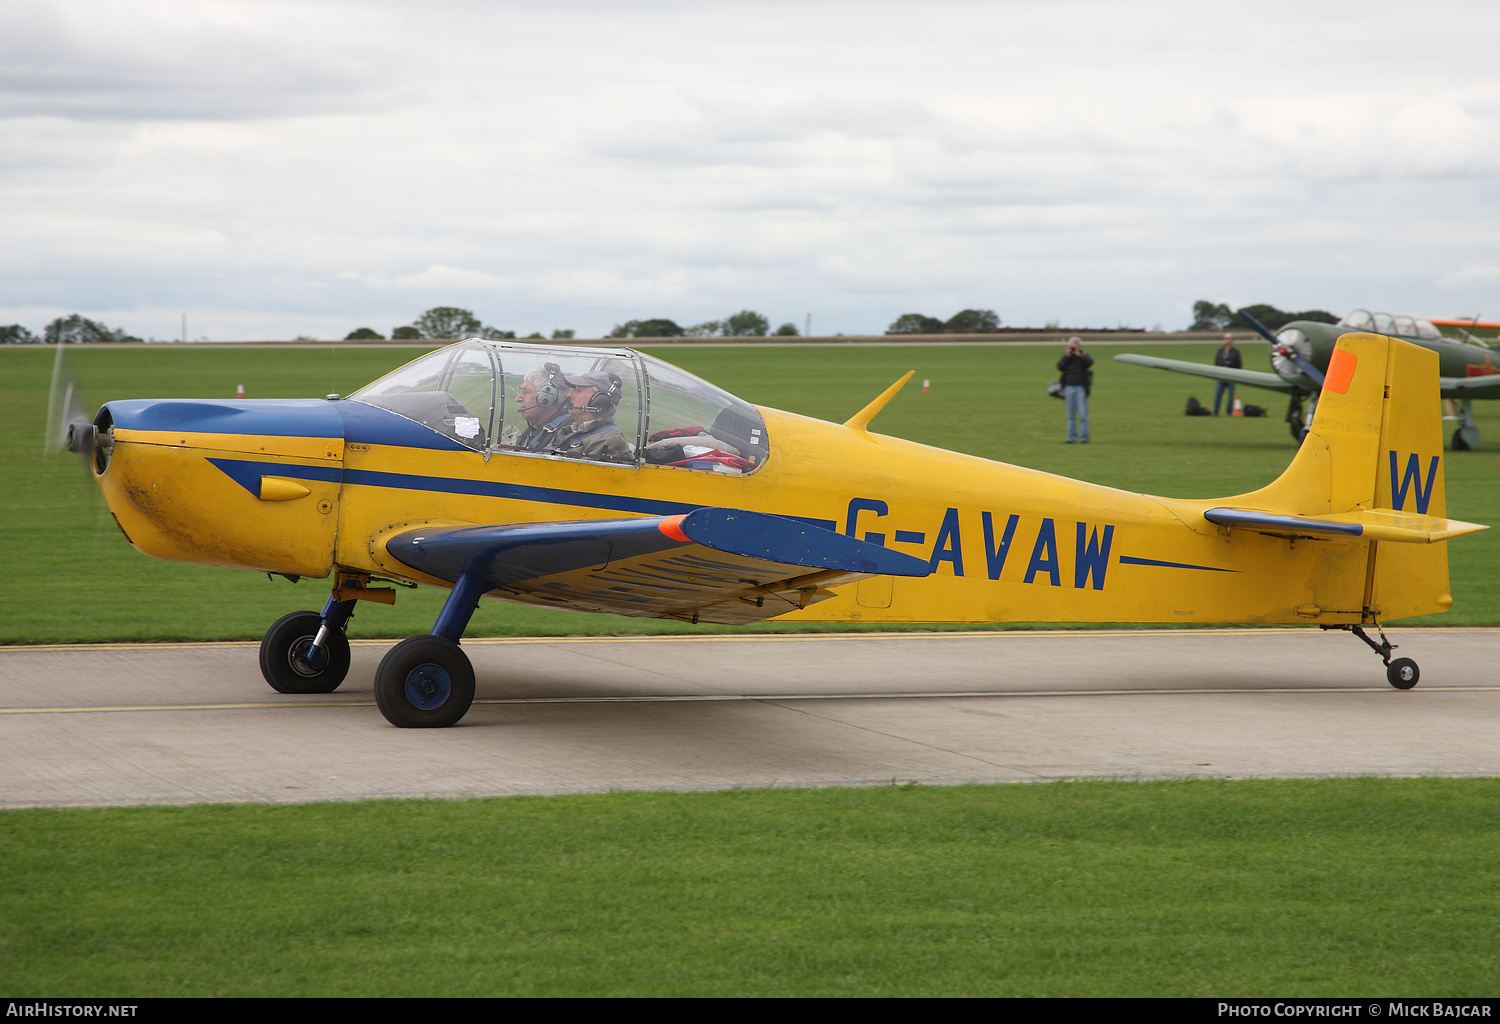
(607, 480)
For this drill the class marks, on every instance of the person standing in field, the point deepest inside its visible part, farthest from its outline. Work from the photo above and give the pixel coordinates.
(1077, 381)
(1227, 356)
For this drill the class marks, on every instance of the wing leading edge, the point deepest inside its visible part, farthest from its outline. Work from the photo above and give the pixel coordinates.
(1486, 386)
(1251, 378)
(710, 565)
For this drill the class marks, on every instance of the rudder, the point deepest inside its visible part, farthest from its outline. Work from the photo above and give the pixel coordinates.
(1410, 579)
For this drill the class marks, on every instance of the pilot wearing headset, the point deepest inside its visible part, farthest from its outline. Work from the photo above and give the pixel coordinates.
(542, 401)
(591, 433)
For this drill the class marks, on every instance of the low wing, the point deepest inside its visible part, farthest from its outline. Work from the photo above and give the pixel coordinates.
(1370, 524)
(1251, 378)
(1487, 386)
(710, 565)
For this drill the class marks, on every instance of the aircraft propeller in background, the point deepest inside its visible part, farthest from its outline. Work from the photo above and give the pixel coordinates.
(1300, 351)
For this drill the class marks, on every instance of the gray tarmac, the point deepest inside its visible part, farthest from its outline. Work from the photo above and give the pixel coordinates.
(183, 723)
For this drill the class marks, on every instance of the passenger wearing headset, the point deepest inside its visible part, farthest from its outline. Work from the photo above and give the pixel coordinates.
(542, 401)
(591, 433)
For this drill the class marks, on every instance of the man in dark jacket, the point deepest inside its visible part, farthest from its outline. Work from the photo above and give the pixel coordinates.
(1226, 356)
(591, 433)
(1077, 378)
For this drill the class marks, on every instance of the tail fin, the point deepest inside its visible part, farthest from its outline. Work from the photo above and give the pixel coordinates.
(1409, 579)
(1376, 443)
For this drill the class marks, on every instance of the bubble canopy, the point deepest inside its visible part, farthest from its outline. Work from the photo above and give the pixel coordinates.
(542, 401)
(1396, 326)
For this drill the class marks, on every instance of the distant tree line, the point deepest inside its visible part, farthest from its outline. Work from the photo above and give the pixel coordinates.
(445, 323)
(1210, 317)
(967, 320)
(448, 323)
(68, 330)
(747, 323)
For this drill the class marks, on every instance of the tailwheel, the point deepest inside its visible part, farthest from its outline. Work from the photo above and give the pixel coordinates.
(1403, 673)
(424, 683)
(284, 657)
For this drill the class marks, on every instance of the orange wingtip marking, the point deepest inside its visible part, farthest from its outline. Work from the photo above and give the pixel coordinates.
(672, 527)
(1340, 371)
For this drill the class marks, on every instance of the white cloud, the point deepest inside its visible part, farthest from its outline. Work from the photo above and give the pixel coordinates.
(454, 279)
(1487, 275)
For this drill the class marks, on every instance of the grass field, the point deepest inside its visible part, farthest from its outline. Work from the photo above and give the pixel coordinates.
(1288, 888)
(70, 575)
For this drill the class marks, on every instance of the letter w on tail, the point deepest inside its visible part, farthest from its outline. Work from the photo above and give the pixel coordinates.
(1413, 479)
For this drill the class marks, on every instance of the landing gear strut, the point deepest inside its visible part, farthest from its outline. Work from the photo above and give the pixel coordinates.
(1466, 437)
(1402, 673)
(1296, 419)
(307, 652)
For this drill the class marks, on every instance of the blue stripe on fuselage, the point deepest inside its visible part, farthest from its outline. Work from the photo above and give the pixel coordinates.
(247, 474)
(1132, 560)
(518, 492)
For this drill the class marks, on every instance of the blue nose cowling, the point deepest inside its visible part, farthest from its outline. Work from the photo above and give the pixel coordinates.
(274, 417)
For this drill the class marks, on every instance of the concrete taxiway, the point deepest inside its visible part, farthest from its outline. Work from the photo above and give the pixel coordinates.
(179, 723)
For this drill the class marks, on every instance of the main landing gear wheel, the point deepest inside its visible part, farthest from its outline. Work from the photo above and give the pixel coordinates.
(1403, 673)
(424, 683)
(282, 652)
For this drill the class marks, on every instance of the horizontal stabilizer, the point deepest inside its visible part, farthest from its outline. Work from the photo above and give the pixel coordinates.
(713, 564)
(1369, 524)
(1251, 378)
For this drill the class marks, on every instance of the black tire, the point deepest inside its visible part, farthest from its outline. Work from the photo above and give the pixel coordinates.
(1403, 673)
(280, 655)
(1460, 443)
(424, 683)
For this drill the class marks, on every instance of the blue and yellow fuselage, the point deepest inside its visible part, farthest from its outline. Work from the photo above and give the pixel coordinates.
(310, 488)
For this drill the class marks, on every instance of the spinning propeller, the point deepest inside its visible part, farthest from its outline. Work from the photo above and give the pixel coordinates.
(70, 419)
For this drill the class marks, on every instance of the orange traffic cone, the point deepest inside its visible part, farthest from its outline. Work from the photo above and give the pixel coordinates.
(1238, 409)
(926, 384)
(239, 392)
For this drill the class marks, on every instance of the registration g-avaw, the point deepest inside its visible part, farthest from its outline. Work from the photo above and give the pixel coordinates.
(714, 510)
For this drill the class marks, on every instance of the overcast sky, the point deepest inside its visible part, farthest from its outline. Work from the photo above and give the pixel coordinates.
(306, 168)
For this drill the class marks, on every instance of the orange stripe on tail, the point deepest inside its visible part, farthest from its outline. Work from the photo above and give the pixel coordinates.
(1340, 371)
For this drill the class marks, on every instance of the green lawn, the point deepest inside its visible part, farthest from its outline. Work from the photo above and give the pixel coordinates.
(70, 575)
(1197, 888)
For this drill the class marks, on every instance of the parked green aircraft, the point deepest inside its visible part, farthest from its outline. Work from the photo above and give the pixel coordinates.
(1300, 352)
